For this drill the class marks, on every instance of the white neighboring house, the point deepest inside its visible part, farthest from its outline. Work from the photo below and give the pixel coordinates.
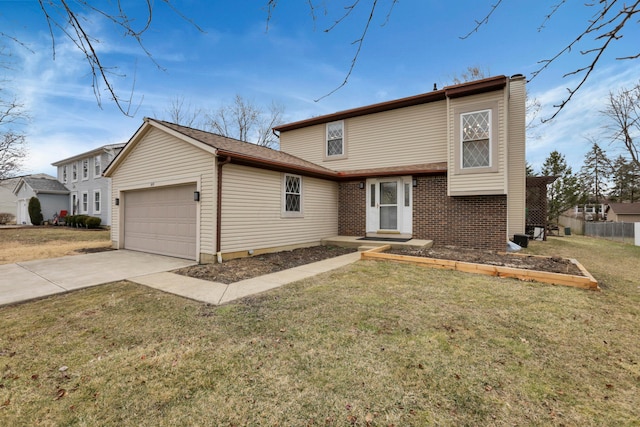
(89, 190)
(49, 191)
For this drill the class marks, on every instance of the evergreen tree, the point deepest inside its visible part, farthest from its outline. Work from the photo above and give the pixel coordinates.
(594, 175)
(626, 180)
(35, 211)
(564, 192)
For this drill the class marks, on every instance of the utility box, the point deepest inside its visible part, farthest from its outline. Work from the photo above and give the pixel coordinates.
(521, 240)
(567, 231)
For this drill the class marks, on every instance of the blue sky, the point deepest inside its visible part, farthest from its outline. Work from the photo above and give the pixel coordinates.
(295, 62)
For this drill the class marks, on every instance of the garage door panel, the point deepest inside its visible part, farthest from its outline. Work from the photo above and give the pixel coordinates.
(161, 220)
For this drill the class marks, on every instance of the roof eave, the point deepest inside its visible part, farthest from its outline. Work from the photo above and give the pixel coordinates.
(456, 91)
(244, 160)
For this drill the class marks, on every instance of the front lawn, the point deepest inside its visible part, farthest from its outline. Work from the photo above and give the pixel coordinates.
(375, 343)
(28, 243)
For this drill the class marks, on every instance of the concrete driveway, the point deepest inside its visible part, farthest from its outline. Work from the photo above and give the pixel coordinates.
(35, 279)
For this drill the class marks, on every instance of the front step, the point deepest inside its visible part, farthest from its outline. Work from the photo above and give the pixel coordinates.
(354, 242)
(364, 248)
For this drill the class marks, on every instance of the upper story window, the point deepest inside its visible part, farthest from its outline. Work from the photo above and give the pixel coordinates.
(74, 172)
(476, 139)
(335, 140)
(85, 169)
(292, 194)
(64, 174)
(97, 164)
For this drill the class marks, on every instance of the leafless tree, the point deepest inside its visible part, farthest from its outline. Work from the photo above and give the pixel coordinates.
(623, 112)
(246, 121)
(608, 21)
(12, 140)
(72, 19)
(183, 113)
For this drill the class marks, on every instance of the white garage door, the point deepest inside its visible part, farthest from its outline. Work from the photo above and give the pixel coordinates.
(161, 221)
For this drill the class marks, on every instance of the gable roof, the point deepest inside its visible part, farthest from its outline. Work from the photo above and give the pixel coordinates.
(624, 208)
(455, 91)
(42, 185)
(90, 153)
(248, 154)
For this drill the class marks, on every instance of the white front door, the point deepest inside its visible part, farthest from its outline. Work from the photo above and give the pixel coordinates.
(389, 206)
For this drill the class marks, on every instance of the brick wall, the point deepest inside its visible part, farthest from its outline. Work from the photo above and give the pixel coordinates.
(478, 222)
(467, 221)
(352, 214)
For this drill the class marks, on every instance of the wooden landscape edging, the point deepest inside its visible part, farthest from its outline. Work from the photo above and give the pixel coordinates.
(585, 282)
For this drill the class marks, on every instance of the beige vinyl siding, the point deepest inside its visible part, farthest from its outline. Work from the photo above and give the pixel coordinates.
(159, 159)
(252, 210)
(478, 183)
(516, 167)
(405, 136)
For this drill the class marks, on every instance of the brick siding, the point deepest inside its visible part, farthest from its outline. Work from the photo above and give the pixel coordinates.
(352, 213)
(478, 222)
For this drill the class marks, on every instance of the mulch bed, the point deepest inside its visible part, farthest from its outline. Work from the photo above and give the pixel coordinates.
(246, 268)
(549, 264)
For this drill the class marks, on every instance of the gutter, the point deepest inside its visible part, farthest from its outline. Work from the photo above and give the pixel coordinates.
(219, 209)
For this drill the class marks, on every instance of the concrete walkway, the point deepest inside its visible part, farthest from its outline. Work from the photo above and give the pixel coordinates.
(39, 278)
(219, 293)
(28, 280)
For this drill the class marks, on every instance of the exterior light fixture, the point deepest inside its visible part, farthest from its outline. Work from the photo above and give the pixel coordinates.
(196, 196)
(361, 185)
(117, 201)
(415, 182)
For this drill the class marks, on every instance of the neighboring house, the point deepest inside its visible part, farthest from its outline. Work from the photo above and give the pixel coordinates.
(8, 200)
(448, 166)
(82, 174)
(623, 212)
(52, 195)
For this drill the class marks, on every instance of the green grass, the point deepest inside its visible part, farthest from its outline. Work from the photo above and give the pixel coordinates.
(375, 344)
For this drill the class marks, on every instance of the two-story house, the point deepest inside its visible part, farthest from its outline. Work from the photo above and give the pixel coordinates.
(447, 166)
(82, 174)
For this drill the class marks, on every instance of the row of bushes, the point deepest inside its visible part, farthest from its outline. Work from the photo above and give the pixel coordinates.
(6, 218)
(82, 221)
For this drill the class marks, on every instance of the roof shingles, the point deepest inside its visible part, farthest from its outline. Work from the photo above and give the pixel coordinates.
(255, 155)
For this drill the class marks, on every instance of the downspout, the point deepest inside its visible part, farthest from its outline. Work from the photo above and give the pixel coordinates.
(219, 210)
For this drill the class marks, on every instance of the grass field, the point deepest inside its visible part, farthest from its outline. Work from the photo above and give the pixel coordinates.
(376, 344)
(24, 244)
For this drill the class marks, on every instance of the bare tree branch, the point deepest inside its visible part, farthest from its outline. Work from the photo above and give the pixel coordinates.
(70, 18)
(483, 21)
(605, 28)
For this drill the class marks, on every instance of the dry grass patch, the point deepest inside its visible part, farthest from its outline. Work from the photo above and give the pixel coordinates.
(375, 343)
(24, 244)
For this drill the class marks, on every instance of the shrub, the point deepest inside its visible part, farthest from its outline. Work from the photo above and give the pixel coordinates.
(6, 218)
(69, 220)
(35, 211)
(79, 220)
(93, 222)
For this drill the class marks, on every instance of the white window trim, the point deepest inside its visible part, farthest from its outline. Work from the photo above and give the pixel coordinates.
(99, 210)
(64, 174)
(85, 176)
(344, 141)
(74, 172)
(84, 209)
(97, 166)
(494, 132)
(284, 212)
